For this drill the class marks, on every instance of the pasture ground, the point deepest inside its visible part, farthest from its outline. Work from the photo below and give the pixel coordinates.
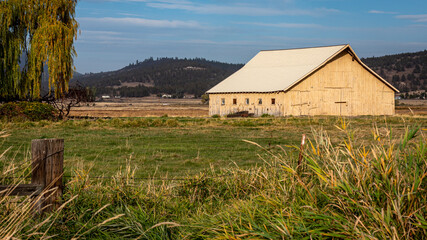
(164, 146)
(361, 178)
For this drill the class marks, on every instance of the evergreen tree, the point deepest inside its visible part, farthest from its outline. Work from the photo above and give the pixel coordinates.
(417, 69)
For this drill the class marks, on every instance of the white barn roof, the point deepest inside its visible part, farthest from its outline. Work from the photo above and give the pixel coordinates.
(278, 70)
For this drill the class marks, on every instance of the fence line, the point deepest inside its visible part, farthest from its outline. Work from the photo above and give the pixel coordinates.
(179, 178)
(150, 178)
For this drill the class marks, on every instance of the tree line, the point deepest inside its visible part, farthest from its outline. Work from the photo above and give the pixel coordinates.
(406, 71)
(172, 76)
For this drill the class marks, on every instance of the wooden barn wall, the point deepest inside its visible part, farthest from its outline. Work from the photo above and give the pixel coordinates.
(342, 87)
(215, 106)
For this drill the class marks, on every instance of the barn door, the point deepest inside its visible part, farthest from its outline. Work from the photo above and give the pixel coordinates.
(345, 99)
(332, 99)
(304, 102)
(342, 102)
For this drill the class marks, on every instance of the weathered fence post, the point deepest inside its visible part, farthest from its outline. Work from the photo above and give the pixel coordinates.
(47, 164)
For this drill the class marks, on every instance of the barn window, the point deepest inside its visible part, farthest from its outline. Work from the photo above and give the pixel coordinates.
(273, 101)
(247, 101)
(260, 101)
(234, 101)
(222, 101)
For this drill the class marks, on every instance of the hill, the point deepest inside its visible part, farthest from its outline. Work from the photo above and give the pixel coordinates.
(406, 71)
(164, 75)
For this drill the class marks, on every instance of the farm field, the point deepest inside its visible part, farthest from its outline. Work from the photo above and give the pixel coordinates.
(195, 178)
(156, 107)
(143, 107)
(183, 146)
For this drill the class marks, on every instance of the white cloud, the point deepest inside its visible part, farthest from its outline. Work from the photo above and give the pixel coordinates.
(415, 18)
(129, 14)
(211, 42)
(103, 37)
(246, 9)
(143, 22)
(237, 9)
(96, 32)
(381, 12)
(283, 25)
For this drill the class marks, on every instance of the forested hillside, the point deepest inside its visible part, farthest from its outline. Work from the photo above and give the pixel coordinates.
(406, 71)
(157, 76)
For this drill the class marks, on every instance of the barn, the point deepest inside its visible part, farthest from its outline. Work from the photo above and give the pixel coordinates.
(329, 80)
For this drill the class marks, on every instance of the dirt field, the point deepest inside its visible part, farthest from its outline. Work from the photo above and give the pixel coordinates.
(154, 106)
(411, 107)
(143, 107)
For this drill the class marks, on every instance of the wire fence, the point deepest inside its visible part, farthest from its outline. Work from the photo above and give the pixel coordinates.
(130, 178)
(150, 178)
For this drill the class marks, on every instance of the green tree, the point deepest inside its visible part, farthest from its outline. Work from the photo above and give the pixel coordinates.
(39, 31)
(205, 98)
(417, 69)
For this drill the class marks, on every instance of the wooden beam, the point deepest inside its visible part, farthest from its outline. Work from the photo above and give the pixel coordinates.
(21, 190)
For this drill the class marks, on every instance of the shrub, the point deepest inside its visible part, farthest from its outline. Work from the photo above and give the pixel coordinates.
(215, 116)
(157, 123)
(172, 123)
(27, 111)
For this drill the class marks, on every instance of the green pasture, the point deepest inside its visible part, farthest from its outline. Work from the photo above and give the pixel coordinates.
(359, 178)
(182, 146)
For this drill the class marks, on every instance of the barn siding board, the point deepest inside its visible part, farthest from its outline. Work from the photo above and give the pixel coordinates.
(342, 87)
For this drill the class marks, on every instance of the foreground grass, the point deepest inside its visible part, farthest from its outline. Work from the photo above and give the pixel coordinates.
(178, 146)
(353, 183)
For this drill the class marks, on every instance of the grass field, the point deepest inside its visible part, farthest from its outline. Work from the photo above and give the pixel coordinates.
(360, 178)
(181, 146)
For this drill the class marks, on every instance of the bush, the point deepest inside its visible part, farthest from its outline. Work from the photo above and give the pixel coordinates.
(172, 123)
(27, 111)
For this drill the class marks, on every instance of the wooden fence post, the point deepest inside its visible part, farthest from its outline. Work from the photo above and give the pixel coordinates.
(47, 164)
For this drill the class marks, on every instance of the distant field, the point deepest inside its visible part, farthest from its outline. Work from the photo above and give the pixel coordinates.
(411, 106)
(143, 107)
(168, 146)
(156, 107)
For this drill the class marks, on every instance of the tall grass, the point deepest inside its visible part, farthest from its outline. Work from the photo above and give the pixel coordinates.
(18, 216)
(365, 192)
(342, 190)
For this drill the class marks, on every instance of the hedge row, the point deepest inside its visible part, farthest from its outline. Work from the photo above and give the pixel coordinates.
(27, 111)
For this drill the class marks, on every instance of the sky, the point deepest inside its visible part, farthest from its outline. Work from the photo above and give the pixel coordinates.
(114, 33)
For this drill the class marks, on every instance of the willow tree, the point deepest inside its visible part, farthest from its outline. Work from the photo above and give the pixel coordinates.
(41, 32)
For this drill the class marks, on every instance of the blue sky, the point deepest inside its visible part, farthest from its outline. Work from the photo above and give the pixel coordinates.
(117, 32)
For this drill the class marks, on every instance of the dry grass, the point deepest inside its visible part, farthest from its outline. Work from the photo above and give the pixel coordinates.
(155, 107)
(342, 190)
(143, 107)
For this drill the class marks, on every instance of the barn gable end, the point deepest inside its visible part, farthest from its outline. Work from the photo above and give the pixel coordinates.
(340, 85)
